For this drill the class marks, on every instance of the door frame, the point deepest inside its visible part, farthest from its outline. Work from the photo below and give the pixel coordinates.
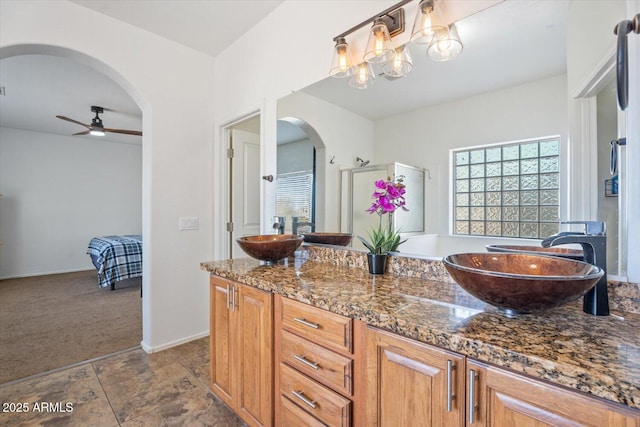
(223, 212)
(585, 158)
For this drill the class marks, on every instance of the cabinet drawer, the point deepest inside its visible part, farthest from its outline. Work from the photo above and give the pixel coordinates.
(316, 399)
(292, 415)
(325, 366)
(320, 326)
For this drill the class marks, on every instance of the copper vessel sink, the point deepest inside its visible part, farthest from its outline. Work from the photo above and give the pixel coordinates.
(576, 254)
(270, 247)
(339, 239)
(522, 283)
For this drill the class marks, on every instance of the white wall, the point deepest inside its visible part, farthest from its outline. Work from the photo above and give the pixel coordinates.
(60, 191)
(173, 86)
(295, 156)
(425, 137)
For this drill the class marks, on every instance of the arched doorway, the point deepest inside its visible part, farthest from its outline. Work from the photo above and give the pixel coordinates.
(55, 58)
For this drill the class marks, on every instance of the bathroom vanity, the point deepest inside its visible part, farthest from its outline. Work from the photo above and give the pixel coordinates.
(319, 341)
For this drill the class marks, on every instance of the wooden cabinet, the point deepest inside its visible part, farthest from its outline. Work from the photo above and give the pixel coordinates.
(500, 398)
(332, 370)
(241, 350)
(316, 362)
(412, 384)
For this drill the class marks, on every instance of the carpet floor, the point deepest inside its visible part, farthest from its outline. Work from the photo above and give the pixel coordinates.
(47, 322)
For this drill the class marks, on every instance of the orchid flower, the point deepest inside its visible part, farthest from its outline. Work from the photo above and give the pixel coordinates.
(388, 197)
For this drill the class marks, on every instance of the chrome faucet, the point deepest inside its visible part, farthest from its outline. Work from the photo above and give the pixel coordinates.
(278, 224)
(594, 246)
(296, 223)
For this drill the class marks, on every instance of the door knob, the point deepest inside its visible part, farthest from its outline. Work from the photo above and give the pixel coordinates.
(268, 178)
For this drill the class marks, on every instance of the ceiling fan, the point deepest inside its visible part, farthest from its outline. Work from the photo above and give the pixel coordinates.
(96, 127)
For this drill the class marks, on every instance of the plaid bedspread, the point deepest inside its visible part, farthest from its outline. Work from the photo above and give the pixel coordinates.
(118, 257)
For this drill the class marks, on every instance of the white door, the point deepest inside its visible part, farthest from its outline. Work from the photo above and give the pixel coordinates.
(245, 187)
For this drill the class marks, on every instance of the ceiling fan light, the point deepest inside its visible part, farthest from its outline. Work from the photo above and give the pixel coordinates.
(363, 77)
(97, 129)
(342, 64)
(379, 47)
(446, 45)
(400, 65)
(427, 23)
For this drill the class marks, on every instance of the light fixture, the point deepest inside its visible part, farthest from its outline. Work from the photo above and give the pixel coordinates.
(446, 45)
(386, 25)
(379, 47)
(97, 129)
(428, 22)
(400, 65)
(342, 64)
(363, 77)
(429, 28)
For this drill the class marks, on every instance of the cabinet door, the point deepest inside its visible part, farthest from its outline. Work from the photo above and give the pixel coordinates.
(412, 384)
(508, 399)
(220, 337)
(254, 329)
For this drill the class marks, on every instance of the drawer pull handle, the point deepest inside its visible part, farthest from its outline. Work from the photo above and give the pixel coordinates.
(450, 396)
(473, 406)
(300, 395)
(306, 323)
(233, 298)
(303, 360)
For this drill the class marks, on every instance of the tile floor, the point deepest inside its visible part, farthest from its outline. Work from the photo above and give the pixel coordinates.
(168, 388)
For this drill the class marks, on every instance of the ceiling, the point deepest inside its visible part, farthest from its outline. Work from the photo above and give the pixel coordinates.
(40, 87)
(510, 43)
(209, 26)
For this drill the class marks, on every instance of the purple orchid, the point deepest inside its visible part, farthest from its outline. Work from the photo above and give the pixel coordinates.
(388, 197)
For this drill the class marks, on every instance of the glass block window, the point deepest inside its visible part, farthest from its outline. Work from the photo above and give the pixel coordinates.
(507, 190)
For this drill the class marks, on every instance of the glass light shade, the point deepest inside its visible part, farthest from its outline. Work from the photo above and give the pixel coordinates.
(342, 64)
(428, 22)
(363, 77)
(379, 47)
(400, 65)
(96, 132)
(446, 45)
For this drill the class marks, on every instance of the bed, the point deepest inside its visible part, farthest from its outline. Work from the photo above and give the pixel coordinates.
(116, 258)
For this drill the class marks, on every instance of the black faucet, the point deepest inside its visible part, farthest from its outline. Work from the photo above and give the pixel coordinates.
(594, 247)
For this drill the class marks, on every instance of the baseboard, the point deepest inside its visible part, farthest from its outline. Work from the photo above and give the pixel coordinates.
(153, 349)
(22, 276)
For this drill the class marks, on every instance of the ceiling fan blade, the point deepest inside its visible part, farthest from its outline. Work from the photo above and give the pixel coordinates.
(84, 132)
(124, 131)
(73, 121)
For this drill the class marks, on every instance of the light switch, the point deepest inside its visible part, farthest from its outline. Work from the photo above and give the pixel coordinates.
(188, 223)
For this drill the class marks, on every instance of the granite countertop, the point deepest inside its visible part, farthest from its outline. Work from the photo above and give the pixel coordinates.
(596, 355)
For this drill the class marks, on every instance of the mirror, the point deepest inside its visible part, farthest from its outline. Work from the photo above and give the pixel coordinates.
(508, 84)
(296, 179)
